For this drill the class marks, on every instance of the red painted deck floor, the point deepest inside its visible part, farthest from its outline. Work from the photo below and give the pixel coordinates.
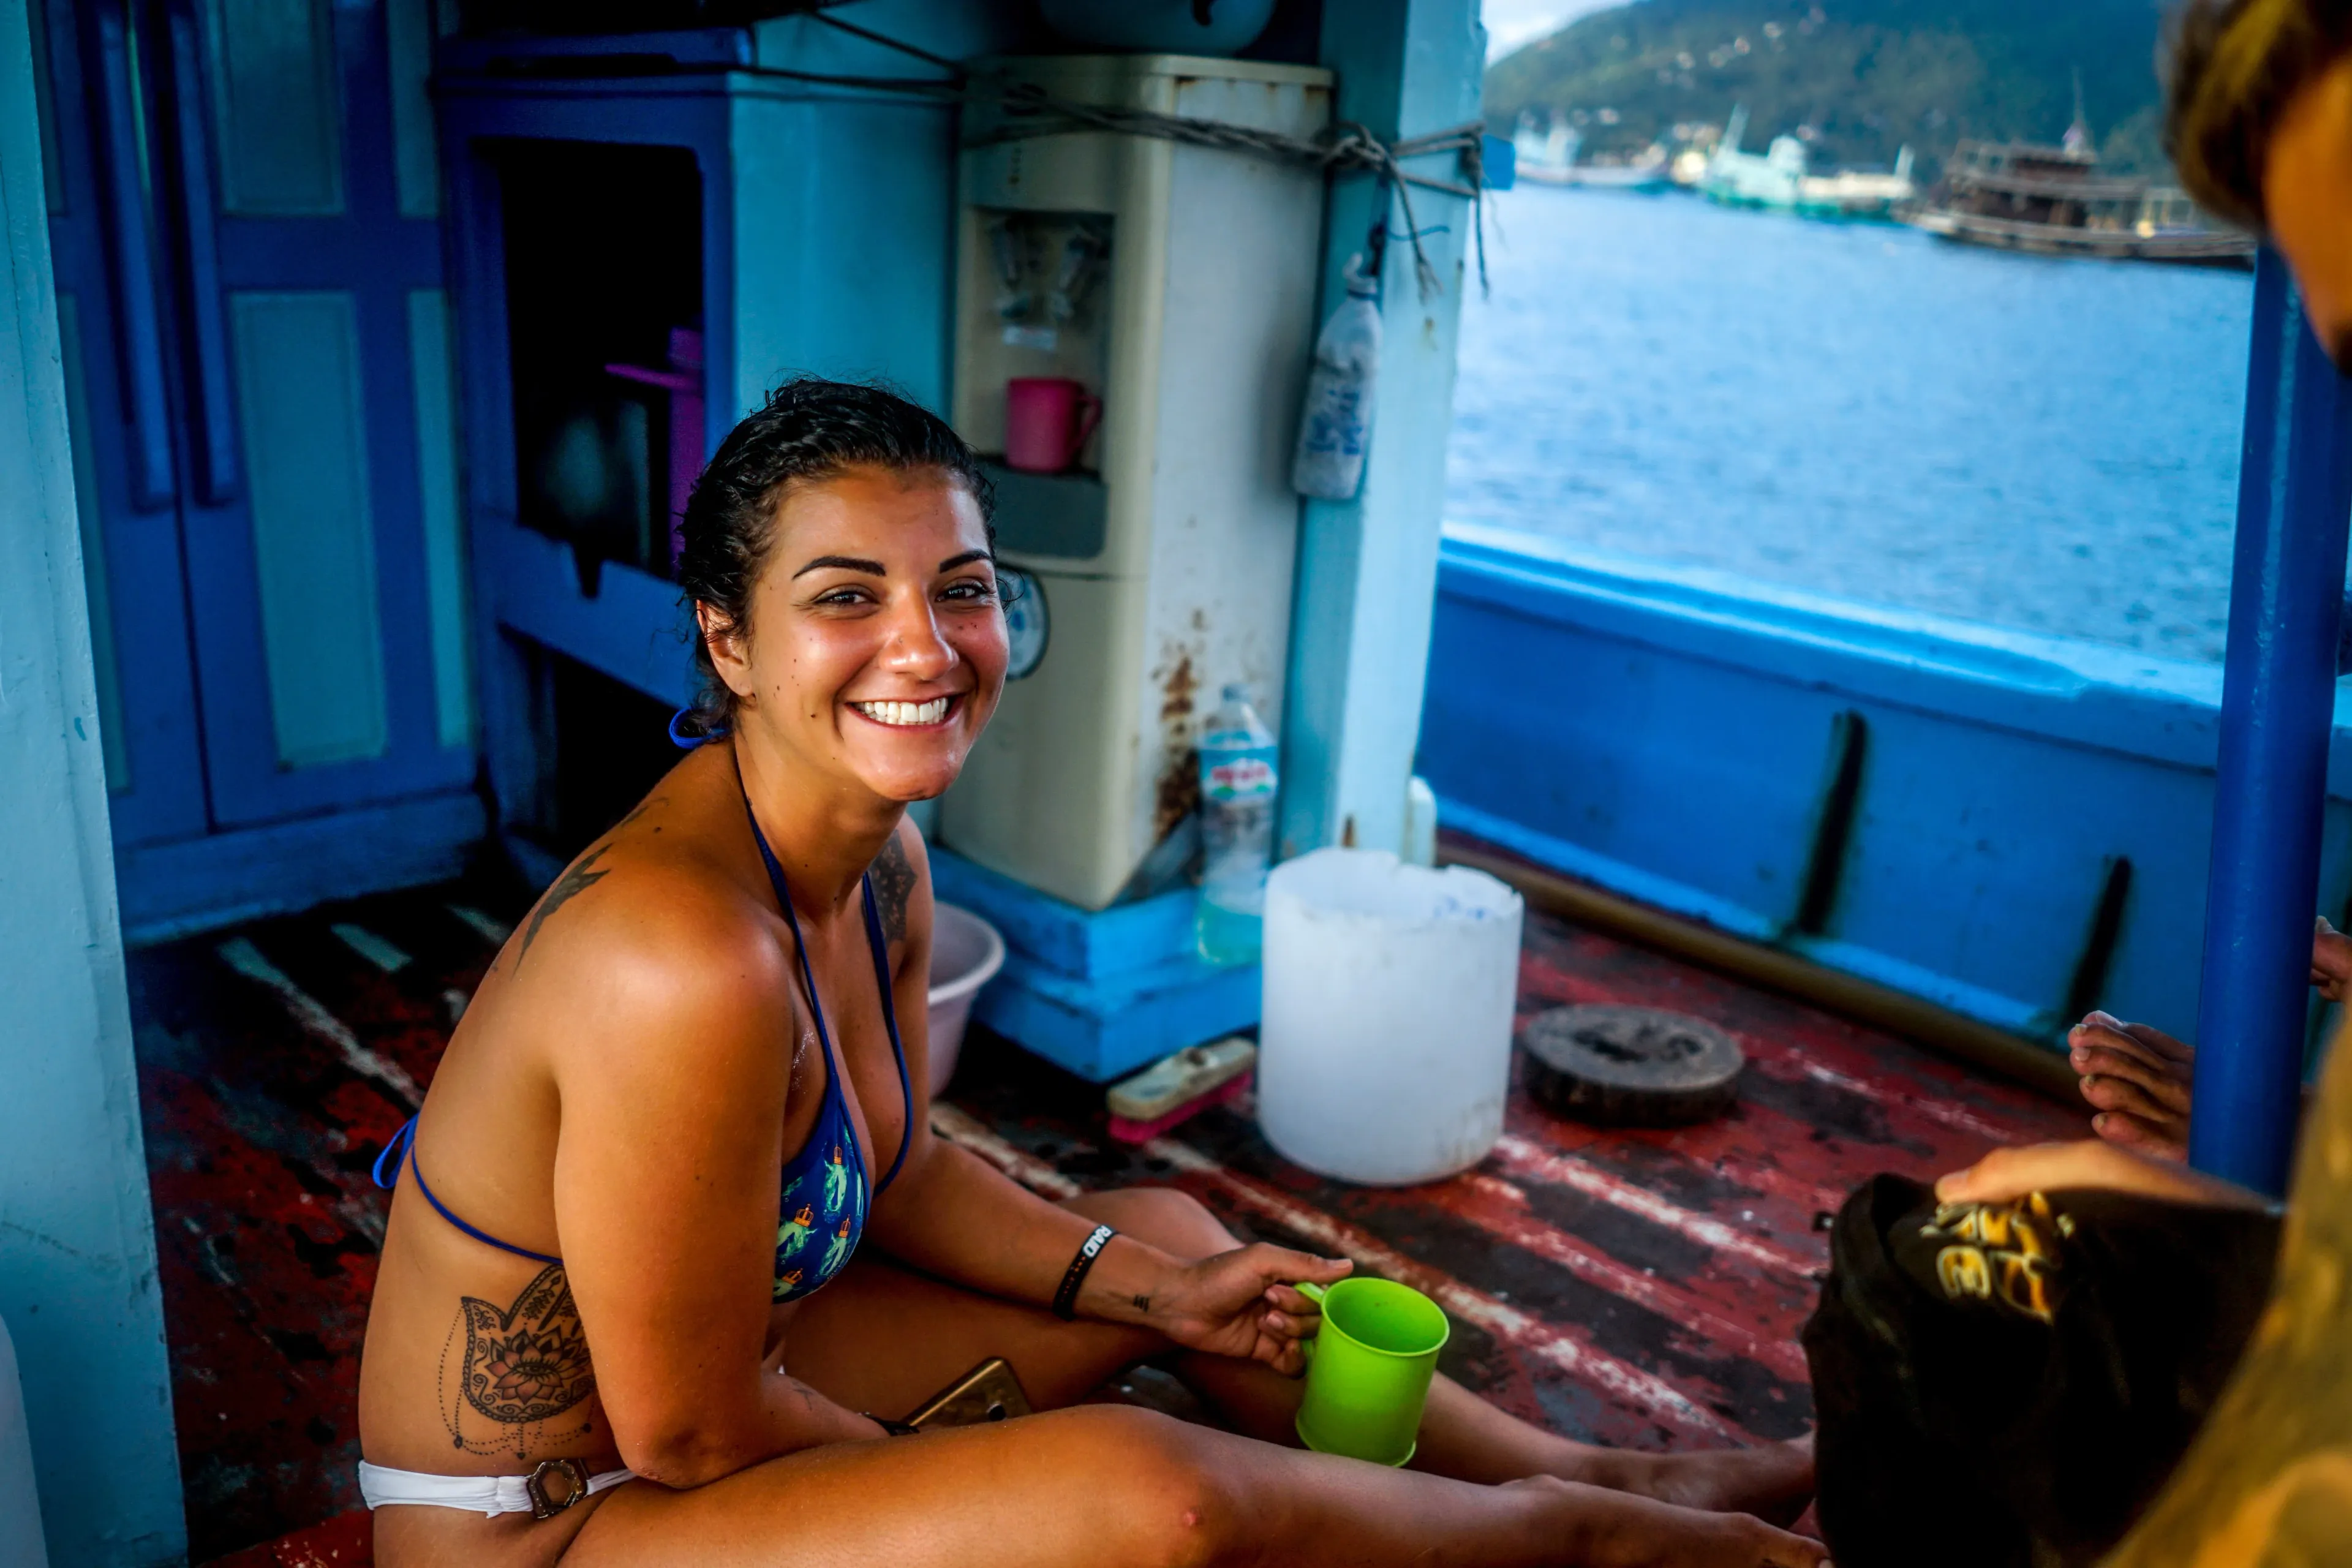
(1639, 1289)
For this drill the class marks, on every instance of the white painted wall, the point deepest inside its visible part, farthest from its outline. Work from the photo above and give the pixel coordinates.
(77, 1284)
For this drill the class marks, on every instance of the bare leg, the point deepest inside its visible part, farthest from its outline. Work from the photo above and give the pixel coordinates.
(882, 1339)
(1468, 1439)
(1081, 1488)
(1462, 1436)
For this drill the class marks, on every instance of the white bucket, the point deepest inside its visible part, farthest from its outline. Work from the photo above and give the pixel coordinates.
(966, 954)
(20, 1508)
(1384, 1055)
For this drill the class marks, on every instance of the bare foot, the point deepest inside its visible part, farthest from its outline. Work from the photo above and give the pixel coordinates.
(2138, 1078)
(1773, 1482)
(1632, 1531)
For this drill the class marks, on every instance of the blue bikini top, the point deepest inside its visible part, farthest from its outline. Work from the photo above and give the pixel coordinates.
(823, 1205)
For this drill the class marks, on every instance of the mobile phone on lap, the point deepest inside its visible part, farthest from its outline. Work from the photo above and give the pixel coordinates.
(989, 1391)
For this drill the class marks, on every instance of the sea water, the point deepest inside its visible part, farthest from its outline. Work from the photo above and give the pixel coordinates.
(1860, 410)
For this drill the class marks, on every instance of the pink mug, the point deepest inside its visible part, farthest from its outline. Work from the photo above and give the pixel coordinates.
(1047, 420)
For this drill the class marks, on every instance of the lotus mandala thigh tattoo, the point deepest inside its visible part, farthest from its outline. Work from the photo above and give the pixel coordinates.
(531, 1361)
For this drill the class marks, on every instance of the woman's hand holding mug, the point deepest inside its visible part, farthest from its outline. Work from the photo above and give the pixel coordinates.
(1241, 1303)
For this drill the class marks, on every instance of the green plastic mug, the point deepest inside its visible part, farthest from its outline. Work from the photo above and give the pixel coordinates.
(1368, 1368)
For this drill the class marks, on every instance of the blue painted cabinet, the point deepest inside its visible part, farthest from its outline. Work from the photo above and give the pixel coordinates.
(245, 207)
(706, 216)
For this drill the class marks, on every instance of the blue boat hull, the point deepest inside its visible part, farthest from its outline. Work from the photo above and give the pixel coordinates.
(2015, 827)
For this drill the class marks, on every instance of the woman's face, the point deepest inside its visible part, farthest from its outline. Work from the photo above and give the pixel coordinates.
(877, 644)
(2307, 193)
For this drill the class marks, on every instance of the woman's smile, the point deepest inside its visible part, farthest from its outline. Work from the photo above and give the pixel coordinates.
(932, 713)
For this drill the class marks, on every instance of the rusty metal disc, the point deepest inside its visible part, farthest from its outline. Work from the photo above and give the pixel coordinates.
(1630, 1067)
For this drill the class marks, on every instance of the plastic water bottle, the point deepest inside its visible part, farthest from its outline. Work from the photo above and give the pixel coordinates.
(1336, 428)
(1237, 791)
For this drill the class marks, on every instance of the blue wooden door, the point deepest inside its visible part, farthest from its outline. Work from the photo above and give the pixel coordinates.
(249, 254)
(111, 325)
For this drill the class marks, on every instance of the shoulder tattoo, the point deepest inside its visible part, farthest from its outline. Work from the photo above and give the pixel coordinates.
(577, 879)
(894, 884)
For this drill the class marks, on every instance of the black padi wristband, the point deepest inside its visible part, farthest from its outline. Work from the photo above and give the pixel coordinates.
(1065, 1300)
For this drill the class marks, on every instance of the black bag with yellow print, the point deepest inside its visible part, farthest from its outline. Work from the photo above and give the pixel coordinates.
(2003, 1384)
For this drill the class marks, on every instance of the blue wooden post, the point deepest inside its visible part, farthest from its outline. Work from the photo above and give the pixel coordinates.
(2287, 590)
(1368, 568)
(77, 1233)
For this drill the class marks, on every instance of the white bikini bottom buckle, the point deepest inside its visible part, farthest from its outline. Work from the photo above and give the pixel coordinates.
(575, 1480)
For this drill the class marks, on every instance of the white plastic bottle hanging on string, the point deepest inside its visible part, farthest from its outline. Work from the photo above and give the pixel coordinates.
(1336, 428)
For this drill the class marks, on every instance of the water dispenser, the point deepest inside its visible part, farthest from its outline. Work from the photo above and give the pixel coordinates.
(1175, 285)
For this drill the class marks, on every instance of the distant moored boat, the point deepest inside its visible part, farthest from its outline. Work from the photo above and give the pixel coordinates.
(2054, 201)
(1777, 179)
(1548, 157)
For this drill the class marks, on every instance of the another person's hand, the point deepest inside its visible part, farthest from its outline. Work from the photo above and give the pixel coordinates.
(2138, 1078)
(1240, 1303)
(2006, 1175)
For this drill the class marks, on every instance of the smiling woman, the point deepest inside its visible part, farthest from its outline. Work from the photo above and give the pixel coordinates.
(630, 1318)
(811, 429)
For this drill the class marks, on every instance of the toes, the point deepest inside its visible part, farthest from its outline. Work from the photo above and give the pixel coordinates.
(2128, 1131)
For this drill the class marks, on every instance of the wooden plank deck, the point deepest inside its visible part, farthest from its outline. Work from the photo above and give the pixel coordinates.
(1641, 1289)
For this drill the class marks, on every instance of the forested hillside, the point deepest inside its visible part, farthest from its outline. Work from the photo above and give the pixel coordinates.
(1865, 76)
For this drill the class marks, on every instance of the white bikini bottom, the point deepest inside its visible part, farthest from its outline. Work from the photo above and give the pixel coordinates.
(550, 1488)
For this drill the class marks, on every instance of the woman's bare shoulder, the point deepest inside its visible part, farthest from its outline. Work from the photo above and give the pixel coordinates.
(651, 926)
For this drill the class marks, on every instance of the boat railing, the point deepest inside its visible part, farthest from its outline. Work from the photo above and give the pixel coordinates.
(2067, 189)
(2014, 826)
(2024, 152)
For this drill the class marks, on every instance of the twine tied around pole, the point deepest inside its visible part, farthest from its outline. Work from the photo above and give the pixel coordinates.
(1028, 111)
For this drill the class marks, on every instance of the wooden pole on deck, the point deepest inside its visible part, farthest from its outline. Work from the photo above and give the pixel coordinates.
(2287, 590)
(1367, 571)
(78, 1270)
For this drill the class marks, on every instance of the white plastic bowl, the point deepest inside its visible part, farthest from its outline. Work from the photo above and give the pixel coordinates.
(966, 954)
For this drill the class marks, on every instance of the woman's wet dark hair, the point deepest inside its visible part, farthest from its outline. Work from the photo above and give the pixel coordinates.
(810, 429)
(2236, 67)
